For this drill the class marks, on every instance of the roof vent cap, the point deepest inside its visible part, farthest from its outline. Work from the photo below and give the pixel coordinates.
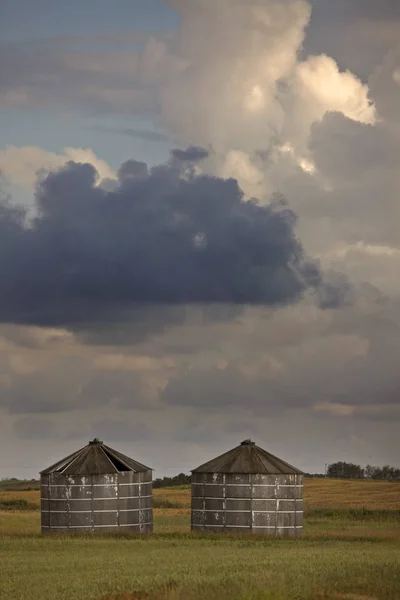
(248, 443)
(96, 441)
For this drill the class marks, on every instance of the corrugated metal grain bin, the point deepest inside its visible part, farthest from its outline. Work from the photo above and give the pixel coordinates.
(96, 489)
(248, 490)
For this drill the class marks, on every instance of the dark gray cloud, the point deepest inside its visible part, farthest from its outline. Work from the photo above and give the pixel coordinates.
(385, 87)
(356, 33)
(34, 428)
(157, 239)
(344, 149)
(131, 169)
(351, 363)
(57, 387)
(218, 389)
(191, 154)
(149, 320)
(335, 291)
(359, 161)
(110, 430)
(120, 388)
(384, 9)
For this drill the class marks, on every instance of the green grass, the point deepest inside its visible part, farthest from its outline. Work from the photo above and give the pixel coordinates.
(350, 550)
(319, 493)
(164, 502)
(338, 555)
(355, 514)
(25, 485)
(17, 504)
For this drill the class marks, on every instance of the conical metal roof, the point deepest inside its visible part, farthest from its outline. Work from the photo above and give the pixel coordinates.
(248, 458)
(95, 459)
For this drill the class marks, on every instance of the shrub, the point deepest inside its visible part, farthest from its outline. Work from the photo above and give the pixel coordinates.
(17, 504)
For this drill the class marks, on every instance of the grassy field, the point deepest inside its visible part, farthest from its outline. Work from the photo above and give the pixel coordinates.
(318, 493)
(350, 551)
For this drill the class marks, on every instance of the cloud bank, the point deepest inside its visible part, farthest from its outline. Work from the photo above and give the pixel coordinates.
(296, 97)
(161, 237)
(21, 165)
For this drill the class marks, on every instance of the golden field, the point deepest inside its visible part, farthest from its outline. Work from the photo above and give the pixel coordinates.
(322, 493)
(350, 550)
(318, 493)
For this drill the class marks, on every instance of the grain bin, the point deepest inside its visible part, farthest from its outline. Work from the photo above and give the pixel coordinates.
(248, 490)
(96, 489)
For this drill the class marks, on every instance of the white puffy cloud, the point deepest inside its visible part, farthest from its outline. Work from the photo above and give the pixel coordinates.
(251, 178)
(243, 89)
(318, 88)
(235, 52)
(20, 165)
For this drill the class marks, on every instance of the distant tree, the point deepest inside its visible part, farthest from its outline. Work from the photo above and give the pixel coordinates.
(372, 472)
(386, 473)
(180, 479)
(343, 470)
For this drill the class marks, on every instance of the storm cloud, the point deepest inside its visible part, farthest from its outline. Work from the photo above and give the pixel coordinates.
(191, 154)
(159, 238)
(356, 33)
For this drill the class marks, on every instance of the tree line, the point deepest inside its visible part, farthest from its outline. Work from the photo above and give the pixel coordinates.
(180, 479)
(337, 470)
(344, 470)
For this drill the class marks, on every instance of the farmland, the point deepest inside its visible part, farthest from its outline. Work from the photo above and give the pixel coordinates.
(350, 550)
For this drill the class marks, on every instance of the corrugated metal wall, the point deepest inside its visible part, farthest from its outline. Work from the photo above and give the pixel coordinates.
(97, 502)
(261, 504)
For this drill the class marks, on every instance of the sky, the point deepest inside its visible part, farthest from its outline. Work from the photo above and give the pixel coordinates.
(199, 234)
